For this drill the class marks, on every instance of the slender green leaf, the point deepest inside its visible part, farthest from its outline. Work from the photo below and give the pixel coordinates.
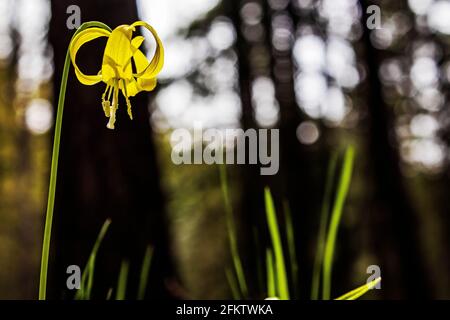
(281, 277)
(87, 278)
(271, 286)
(145, 272)
(336, 214)
(358, 292)
(232, 282)
(109, 294)
(122, 282)
(323, 227)
(232, 234)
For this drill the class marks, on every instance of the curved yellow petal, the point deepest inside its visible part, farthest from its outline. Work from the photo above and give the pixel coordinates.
(118, 53)
(147, 84)
(79, 40)
(155, 66)
(133, 87)
(136, 42)
(141, 62)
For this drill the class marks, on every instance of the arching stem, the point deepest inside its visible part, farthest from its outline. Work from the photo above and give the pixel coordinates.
(54, 165)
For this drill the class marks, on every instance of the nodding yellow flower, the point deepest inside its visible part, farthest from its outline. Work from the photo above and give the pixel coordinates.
(125, 68)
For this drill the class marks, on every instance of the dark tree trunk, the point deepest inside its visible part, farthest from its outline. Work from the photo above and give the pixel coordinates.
(394, 225)
(252, 199)
(296, 180)
(104, 173)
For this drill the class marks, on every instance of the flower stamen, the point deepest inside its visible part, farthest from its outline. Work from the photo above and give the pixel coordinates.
(106, 102)
(130, 114)
(114, 106)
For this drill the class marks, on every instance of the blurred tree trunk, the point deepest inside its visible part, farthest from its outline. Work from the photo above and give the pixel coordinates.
(104, 173)
(296, 182)
(395, 224)
(252, 205)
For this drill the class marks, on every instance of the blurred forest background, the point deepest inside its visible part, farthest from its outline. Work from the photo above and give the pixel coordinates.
(311, 68)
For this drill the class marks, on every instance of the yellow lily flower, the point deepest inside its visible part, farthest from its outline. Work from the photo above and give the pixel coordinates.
(121, 54)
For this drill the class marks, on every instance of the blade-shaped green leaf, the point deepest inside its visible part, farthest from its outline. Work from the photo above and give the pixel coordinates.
(87, 278)
(232, 234)
(143, 280)
(336, 214)
(358, 292)
(281, 276)
(232, 282)
(271, 286)
(323, 227)
(122, 282)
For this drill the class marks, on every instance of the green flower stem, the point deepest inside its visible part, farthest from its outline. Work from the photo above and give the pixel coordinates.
(54, 165)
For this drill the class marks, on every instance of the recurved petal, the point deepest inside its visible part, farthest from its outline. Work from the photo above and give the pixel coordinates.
(136, 42)
(147, 84)
(135, 86)
(155, 66)
(79, 40)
